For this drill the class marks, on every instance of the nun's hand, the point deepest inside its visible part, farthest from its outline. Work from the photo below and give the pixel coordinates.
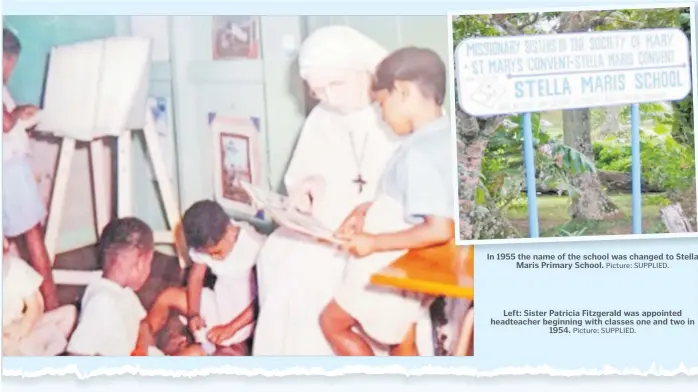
(304, 196)
(354, 222)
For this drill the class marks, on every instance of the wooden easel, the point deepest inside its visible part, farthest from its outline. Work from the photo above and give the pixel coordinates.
(101, 196)
(446, 270)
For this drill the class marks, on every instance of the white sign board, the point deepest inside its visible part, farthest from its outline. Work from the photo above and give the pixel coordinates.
(96, 88)
(533, 73)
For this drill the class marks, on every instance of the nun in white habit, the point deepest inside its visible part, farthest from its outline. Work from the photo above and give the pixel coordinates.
(336, 165)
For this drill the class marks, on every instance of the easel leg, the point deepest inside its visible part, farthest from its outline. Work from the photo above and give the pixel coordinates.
(165, 188)
(60, 186)
(124, 179)
(99, 185)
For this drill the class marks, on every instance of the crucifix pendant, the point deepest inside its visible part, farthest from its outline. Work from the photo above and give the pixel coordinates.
(360, 182)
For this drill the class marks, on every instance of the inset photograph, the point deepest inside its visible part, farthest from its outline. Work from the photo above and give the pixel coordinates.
(574, 124)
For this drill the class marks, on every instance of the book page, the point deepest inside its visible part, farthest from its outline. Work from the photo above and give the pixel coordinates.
(277, 206)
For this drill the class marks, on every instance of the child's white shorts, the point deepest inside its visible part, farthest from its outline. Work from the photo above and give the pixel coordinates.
(385, 314)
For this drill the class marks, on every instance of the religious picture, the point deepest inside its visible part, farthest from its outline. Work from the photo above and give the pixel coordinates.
(237, 156)
(235, 37)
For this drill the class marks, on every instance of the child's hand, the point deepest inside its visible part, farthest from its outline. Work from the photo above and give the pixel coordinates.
(360, 245)
(196, 323)
(220, 333)
(353, 224)
(15, 331)
(25, 112)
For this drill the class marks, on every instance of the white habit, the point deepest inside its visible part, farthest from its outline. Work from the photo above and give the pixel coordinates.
(297, 276)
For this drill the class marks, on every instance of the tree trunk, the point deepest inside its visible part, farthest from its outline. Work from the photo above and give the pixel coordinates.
(675, 220)
(611, 122)
(591, 201)
(687, 199)
(469, 168)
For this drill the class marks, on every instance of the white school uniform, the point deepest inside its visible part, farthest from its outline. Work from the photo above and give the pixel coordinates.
(48, 335)
(19, 281)
(109, 320)
(417, 183)
(235, 287)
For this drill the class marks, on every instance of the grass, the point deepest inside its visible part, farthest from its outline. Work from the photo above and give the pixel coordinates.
(554, 219)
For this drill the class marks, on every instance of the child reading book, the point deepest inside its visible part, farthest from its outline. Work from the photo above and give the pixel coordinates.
(223, 316)
(112, 318)
(26, 329)
(413, 209)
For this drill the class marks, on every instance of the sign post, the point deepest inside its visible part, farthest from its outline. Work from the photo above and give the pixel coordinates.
(636, 168)
(530, 172)
(534, 73)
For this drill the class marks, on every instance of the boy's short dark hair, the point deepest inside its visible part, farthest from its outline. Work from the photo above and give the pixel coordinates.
(205, 224)
(421, 66)
(10, 43)
(123, 234)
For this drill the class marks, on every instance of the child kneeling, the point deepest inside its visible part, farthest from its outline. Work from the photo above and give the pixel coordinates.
(26, 329)
(221, 318)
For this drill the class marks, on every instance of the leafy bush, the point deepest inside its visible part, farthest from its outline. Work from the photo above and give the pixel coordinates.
(666, 164)
(503, 167)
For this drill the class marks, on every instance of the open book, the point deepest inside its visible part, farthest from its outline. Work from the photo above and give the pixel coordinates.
(277, 206)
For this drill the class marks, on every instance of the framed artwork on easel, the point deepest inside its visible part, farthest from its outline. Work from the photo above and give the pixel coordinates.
(237, 157)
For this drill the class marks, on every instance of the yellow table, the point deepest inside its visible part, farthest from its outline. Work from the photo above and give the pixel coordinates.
(446, 270)
(442, 270)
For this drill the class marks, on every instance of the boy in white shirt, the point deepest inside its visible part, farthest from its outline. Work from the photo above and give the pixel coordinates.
(23, 209)
(224, 315)
(26, 329)
(112, 318)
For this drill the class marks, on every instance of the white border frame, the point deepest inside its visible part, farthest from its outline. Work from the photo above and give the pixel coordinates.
(454, 133)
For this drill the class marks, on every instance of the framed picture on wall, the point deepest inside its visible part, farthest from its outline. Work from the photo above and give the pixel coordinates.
(237, 156)
(235, 37)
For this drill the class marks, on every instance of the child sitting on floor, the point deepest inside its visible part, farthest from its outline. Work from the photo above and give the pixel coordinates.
(112, 318)
(413, 209)
(223, 316)
(172, 335)
(26, 329)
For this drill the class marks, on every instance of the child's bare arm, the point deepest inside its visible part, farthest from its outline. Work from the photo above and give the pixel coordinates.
(434, 231)
(244, 319)
(221, 333)
(195, 284)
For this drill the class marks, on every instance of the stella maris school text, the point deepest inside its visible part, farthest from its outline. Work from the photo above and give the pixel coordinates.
(562, 86)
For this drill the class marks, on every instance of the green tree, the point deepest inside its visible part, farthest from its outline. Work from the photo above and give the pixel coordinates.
(482, 201)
